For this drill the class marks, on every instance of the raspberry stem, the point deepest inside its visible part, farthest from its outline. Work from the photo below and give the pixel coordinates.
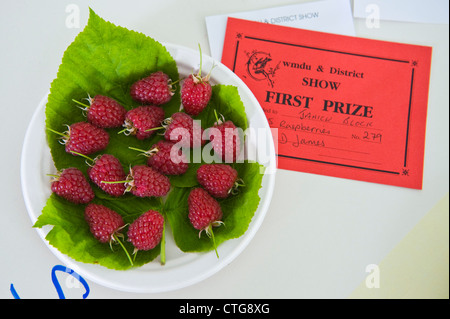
(53, 175)
(239, 183)
(123, 131)
(221, 120)
(137, 149)
(59, 133)
(163, 244)
(172, 84)
(144, 152)
(115, 182)
(211, 234)
(200, 69)
(82, 104)
(154, 129)
(124, 249)
(82, 155)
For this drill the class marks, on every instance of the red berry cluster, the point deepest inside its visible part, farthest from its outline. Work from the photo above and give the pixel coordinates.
(151, 180)
(218, 181)
(107, 172)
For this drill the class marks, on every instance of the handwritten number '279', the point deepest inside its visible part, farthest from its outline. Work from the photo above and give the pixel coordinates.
(56, 282)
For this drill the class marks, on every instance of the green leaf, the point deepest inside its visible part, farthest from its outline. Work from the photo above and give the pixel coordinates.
(188, 179)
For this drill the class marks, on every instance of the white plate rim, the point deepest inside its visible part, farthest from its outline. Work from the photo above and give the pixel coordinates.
(121, 280)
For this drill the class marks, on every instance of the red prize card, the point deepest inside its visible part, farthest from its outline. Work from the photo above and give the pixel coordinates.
(342, 106)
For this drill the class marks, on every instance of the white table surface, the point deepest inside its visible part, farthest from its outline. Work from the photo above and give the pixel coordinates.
(319, 233)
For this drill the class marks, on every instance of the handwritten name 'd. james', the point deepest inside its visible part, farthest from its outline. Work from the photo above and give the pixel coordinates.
(328, 105)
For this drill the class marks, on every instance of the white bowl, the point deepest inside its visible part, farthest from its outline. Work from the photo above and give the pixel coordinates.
(181, 269)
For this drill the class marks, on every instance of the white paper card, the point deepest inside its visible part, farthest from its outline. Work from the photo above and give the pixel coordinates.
(430, 11)
(333, 16)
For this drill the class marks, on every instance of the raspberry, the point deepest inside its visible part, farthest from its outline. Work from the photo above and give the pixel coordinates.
(141, 120)
(105, 112)
(72, 185)
(195, 94)
(144, 181)
(204, 211)
(145, 232)
(225, 141)
(108, 168)
(84, 138)
(182, 129)
(103, 222)
(161, 159)
(155, 89)
(217, 179)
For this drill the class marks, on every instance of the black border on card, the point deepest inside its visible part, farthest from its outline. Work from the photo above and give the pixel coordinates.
(347, 53)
